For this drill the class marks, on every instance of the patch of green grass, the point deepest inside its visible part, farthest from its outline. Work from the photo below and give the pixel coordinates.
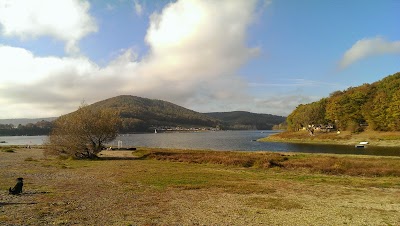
(168, 174)
(162, 175)
(175, 169)
(8, 150)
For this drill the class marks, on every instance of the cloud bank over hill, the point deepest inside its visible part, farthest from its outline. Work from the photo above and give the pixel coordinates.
(262, 56)
(195, 49)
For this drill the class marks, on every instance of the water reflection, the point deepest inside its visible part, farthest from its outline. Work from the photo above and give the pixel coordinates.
(243, 141)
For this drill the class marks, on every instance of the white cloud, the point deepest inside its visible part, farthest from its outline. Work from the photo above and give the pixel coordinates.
(51, 86)
(283, 105)
(292, 83)
(199, 39)
(66, 20)
(369, 47)
(24, 68)
(138, 7)
(196, 48)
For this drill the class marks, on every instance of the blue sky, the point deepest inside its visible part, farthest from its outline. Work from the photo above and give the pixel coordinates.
(254, 55)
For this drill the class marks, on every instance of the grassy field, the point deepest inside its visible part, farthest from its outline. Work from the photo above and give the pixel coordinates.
(375, 138)
(182, 187)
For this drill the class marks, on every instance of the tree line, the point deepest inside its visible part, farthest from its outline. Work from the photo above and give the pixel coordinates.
(376, 106)
(31, 129)
(242, 120)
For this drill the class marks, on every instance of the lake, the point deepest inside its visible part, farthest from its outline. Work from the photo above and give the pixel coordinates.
(220, 140)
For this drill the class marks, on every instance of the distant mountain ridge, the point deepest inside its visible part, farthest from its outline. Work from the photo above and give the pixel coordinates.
(243, 120)
(24, 121)
(140, 114)
(144, 115)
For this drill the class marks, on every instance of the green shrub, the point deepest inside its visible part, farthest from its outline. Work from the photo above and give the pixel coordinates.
(9, 150)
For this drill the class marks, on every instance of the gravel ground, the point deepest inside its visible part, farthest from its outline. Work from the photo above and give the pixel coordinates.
(60, 194)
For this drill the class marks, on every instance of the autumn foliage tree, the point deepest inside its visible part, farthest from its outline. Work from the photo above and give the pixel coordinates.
(307, 114)
(375, 105)
(83, 133)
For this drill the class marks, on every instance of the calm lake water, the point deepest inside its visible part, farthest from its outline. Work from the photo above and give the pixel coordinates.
(220, 140)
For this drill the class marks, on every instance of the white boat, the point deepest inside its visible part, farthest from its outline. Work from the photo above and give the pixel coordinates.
(362, 144)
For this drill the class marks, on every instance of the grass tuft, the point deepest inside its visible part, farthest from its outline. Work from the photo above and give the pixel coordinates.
(30, 159)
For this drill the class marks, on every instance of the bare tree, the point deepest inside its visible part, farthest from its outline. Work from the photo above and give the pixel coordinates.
(83, 133)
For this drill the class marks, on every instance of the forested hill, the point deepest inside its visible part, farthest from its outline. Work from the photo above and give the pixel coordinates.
(140, 114)
(24, 121)
(247, 120)
(376, 106)
(144, 115)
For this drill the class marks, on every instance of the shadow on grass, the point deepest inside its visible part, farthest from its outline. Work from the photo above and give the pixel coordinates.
(29, 193)
(16, 203)
(116, 158)
(142, 157)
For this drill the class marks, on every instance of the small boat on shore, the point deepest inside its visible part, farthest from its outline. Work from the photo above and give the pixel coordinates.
(362, 144)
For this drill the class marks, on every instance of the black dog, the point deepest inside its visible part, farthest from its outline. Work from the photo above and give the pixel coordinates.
(18, 187)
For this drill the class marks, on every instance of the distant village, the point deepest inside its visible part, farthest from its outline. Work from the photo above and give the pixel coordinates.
(183, 129)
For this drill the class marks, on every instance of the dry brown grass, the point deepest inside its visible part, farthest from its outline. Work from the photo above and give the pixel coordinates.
(334, 165)
(353, 166)
(227, 158)
(126, 189)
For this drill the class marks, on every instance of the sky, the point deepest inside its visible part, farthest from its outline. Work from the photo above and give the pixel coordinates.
(262, 56)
